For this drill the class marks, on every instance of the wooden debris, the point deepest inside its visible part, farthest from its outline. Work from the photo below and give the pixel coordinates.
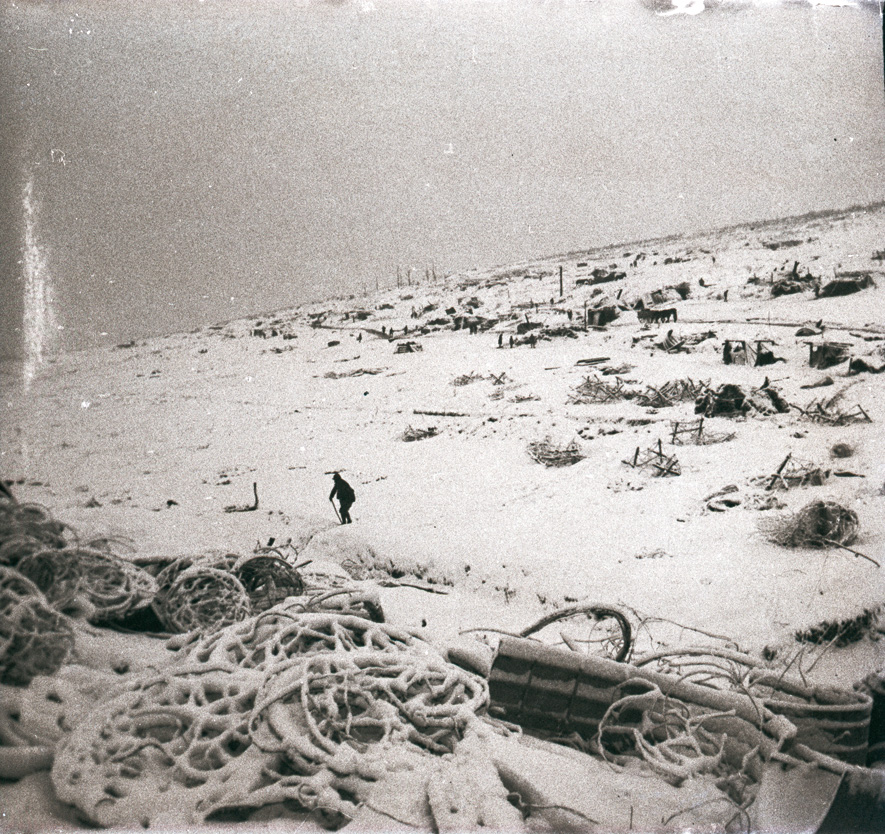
(722, 500)
(655, 461)
(820, 411)
(440, 413)
(672, 344)
(796, 473)
(596, 390)
(671, 393)
(546, 452)
(615, 370)
(411, 434)
(408, 347)
(821, 383)
(357, 372)
(826, 354)
(693, 432)
(466, 379)
(744, 352)
(845, 283)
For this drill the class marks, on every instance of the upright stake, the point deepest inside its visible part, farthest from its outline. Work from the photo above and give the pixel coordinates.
(560, 280)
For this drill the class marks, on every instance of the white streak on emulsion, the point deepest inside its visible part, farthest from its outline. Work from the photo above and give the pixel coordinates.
(39, 319)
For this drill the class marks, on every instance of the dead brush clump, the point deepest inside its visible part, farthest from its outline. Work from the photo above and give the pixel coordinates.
(550, 454)
(818, 524)
(842, 450)
(841, 632)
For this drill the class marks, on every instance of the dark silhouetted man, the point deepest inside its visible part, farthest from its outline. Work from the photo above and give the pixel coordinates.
(346, 497)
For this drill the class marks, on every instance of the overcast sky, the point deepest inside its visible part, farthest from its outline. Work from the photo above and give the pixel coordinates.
(166, 165)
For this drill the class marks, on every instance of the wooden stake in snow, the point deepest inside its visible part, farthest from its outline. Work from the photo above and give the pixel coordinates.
(780, 469)
(234, 508)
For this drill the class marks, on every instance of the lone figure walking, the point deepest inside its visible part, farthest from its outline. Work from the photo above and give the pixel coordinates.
(346, 497)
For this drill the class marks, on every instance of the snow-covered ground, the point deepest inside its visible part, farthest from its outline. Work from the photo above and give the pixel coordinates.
(151, 442)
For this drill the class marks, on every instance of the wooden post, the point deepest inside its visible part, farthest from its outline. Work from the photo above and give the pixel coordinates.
(777, 474)
(560, 280)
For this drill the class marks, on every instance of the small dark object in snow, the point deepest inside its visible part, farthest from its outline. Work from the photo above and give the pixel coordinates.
(821, 383)
(842, 450)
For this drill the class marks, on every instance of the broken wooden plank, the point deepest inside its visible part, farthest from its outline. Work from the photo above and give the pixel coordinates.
(440, 413)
